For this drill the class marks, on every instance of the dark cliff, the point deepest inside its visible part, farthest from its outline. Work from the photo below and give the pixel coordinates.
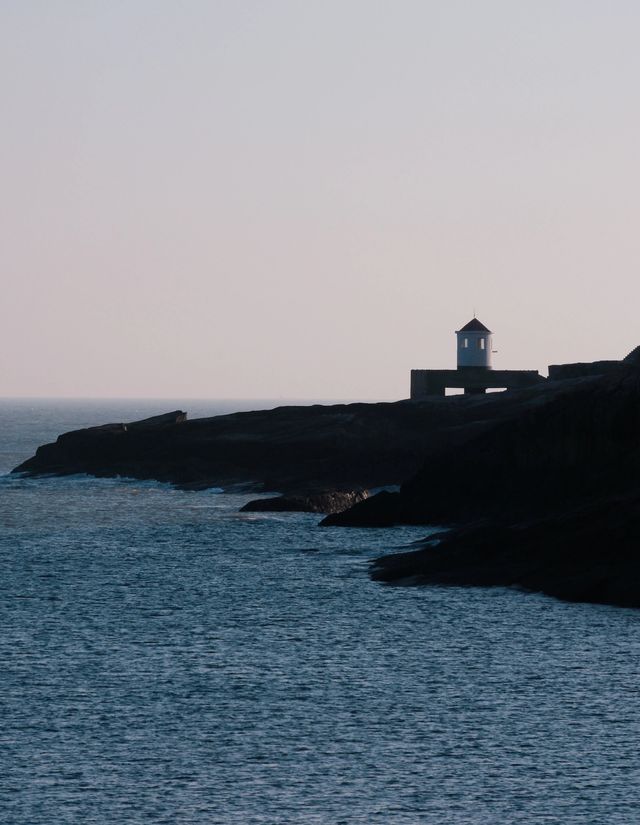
(577, 444)
(290, 449)
(548, 500)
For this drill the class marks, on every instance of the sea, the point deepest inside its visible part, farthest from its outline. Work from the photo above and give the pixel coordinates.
(165, 658)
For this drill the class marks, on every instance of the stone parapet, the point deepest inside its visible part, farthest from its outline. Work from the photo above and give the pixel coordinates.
(473, 380)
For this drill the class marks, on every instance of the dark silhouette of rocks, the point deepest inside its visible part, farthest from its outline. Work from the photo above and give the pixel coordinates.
(541, 486)
(633, 359)
(334, 501)
(578, 444)
(548, 500)
(292, 450)
(588, 554)
(561, 372)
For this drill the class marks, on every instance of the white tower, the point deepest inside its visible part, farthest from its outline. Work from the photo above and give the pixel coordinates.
(474, 345)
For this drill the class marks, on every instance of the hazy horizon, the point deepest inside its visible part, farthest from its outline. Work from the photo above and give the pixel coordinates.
(304, 201)
(201, 399)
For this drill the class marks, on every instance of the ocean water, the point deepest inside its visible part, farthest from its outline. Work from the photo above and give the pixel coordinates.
(167, 659)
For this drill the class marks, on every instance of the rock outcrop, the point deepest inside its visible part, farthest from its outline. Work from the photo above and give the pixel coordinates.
(293, 450)
(561, 372)
(589, 554)
(548, 500)
(577, 445)
(541, 485)
(334, 501)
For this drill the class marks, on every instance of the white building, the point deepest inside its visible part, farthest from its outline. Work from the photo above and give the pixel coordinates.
(474, 345)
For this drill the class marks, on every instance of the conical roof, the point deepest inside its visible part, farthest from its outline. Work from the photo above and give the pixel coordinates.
(474, 326)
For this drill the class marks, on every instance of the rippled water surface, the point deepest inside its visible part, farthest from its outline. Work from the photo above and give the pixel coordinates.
(167, 659)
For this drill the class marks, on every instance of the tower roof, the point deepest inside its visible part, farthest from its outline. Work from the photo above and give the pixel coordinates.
(474, 326)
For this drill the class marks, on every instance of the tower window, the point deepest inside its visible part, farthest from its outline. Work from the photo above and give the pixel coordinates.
(465, 343)
(481, 343)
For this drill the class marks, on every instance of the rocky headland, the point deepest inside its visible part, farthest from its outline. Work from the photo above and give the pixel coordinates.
(537, 488)
(302, 452)
(319, 457)
(548, 500)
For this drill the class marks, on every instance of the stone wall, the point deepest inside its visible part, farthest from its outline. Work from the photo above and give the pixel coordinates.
(473, 380)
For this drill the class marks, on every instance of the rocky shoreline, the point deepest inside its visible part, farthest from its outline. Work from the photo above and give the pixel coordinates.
(560, 514)
(539, 488)
(296, 451)
(589, 554)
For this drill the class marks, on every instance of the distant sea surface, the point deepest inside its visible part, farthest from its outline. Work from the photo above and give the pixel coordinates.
(167, 659)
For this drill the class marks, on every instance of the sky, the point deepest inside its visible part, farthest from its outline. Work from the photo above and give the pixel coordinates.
(306, 198)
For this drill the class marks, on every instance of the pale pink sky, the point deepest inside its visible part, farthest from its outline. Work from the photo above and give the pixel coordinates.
(305, 199)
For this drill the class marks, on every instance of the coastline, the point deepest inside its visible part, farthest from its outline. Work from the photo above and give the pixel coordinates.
(540, 486)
